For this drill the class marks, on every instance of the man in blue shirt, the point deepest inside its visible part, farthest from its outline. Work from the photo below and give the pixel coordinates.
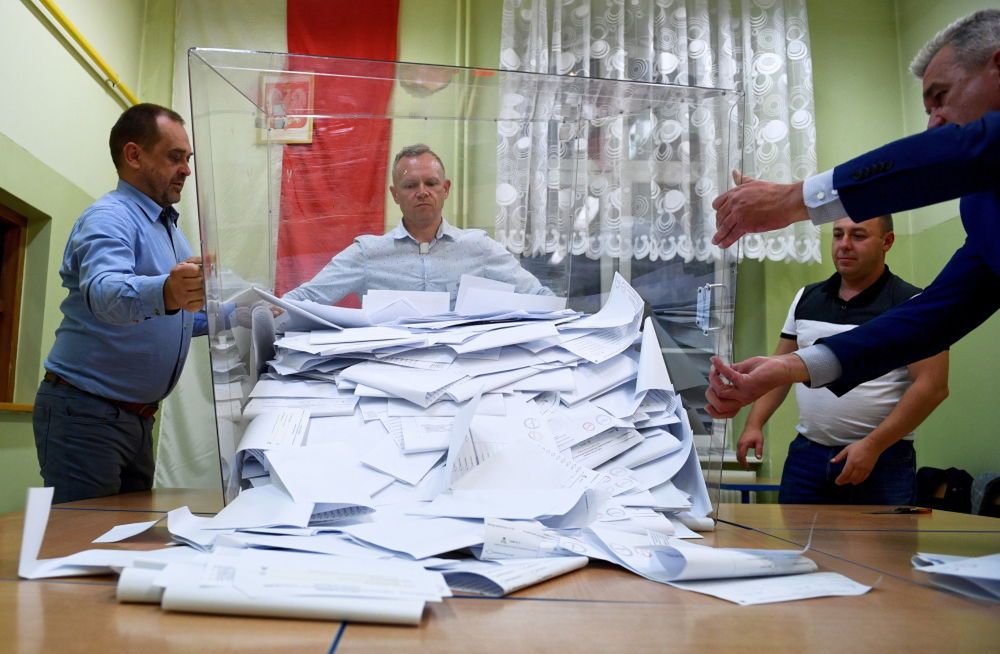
(133, 302)
(958, 156)
(424, 252)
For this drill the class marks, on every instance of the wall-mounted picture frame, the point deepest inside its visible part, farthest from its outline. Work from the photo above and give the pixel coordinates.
(287, 100)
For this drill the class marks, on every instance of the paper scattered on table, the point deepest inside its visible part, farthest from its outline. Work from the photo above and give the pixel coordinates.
(766, 590)
(973, 576)
(87, 562)
(122, 532)
(532, 436)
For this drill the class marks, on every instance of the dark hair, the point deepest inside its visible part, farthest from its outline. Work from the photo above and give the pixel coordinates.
(137, 124)
(886, 222)
(416, 150)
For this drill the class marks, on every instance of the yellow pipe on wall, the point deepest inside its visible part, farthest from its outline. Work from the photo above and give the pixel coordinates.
(111, 77)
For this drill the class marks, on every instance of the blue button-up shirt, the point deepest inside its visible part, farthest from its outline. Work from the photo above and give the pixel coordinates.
(396, 261)
(116, 340)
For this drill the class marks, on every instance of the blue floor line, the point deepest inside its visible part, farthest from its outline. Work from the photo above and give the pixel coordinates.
(336, 638)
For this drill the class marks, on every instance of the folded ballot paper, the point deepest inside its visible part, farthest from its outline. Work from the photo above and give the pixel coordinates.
(390, 454)
(977, 577)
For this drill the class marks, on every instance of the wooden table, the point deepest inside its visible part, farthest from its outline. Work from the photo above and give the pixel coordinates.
(599, 609)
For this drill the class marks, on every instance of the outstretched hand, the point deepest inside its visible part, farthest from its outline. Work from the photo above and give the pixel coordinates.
(756, 206)
(730, 388)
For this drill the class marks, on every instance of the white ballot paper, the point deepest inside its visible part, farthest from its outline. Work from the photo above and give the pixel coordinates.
(87, 562)
(488, 301)
(277, 388)
(973, 576)
(766, 590)
(328, 473)
(510, 504)
(290, 584)
(317, 407)
(264, 506)
(427, 303)
(524, 539)
(123, 532)
(297, 317)
(281, 428)
(499, 578)
(469, 286)
(683, 561)
(652, 368)
(419, 537)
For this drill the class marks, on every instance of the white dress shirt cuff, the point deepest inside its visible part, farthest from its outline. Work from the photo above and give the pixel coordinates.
(822, 364)
(821, 199)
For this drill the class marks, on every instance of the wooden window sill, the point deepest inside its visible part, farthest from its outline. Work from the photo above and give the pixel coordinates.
(11, 407)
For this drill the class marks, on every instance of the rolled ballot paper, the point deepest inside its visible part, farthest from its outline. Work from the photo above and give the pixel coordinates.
(194, 598)
(665, 559)
(287, 584)
(139, 585)
(682, 561)
(499, 578)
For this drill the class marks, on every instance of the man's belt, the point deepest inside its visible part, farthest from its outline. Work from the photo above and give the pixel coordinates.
(137, 408)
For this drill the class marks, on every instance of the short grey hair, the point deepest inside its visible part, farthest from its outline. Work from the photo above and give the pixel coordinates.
(974, 38)
(416, 150)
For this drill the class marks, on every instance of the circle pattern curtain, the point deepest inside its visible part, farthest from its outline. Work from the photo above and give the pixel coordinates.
(645, 186)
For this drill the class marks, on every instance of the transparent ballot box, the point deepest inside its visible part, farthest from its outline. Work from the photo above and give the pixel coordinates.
(557, 188)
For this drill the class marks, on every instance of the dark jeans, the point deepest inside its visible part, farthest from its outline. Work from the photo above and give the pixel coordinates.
(808, 477)
(88, 447)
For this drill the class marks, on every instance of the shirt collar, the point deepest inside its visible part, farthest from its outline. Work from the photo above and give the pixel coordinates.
(152, 210)
(445, 230)
(832, 288)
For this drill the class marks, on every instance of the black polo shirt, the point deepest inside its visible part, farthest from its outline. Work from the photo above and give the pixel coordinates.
(817, 312)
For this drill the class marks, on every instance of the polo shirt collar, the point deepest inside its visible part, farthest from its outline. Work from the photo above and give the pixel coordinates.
(832, 288)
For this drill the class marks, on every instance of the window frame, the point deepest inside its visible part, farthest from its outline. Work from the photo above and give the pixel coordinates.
(13, 247)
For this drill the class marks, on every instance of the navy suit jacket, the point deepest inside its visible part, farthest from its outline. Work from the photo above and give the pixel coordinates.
(939, 164)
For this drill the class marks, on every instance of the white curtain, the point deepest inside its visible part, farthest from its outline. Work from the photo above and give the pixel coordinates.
(187, 453)
(758, 46)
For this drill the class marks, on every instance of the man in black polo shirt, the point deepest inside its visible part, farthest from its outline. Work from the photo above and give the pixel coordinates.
(857, 448)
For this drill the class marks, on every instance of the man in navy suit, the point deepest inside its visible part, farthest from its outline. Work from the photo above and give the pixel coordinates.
(958, 156)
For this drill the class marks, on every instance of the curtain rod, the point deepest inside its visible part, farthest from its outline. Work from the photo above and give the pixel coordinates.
(111, 77)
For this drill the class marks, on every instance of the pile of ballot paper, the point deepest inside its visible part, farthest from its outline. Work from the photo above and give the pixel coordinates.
(508, 407)
(397, 452)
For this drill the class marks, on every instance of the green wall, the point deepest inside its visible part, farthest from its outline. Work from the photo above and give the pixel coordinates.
(55, 163)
